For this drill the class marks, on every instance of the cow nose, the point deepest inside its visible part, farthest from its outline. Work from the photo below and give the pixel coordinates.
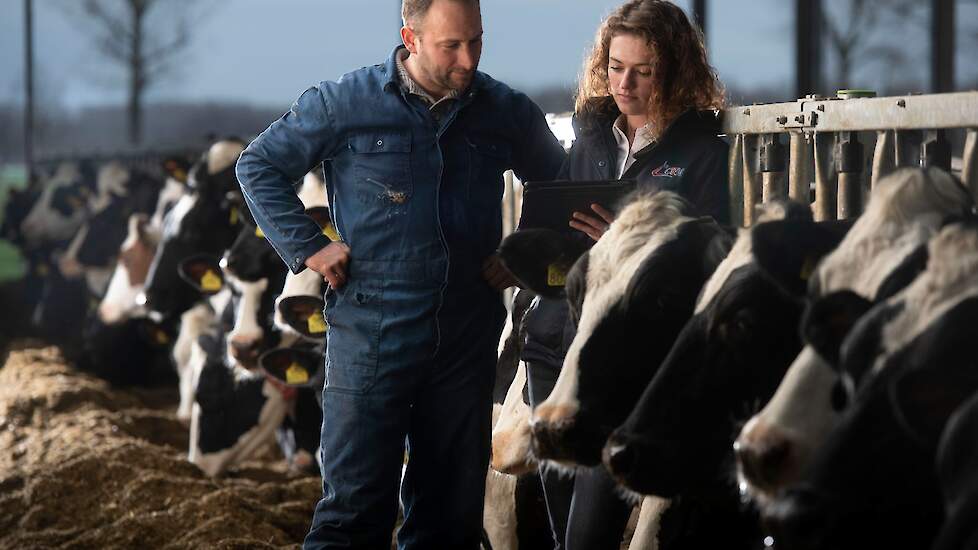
(763, 455)
(799, 520)
(618, 456)
(548, 438)
(244, 350)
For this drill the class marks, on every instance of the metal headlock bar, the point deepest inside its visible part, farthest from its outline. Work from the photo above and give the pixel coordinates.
(825, 157)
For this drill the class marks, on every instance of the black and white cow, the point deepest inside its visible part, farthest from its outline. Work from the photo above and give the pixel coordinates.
(731, 354)
(204, 221)
(631, 294)
(957, 471)
(882, 253)
(61, 207)
(872, 483)
(235, 413)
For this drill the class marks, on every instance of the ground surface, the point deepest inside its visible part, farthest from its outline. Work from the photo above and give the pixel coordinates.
(85, 465)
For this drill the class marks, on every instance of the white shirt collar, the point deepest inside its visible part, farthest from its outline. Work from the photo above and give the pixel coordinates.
(626, 153)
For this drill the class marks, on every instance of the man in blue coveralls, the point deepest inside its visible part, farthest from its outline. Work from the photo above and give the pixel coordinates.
(414, 150)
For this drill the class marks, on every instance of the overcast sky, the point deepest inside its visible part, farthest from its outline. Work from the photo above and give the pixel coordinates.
(267, 51)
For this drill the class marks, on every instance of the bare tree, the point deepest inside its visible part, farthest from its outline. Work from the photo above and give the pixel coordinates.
(144, 38)
(854, 32)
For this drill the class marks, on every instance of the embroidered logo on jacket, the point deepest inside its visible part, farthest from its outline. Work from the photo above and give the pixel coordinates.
(667, 171)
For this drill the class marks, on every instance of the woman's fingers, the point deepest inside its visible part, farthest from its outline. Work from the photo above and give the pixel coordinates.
(607, 215)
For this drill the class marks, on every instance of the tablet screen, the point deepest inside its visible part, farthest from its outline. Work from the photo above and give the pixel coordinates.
(551, 204)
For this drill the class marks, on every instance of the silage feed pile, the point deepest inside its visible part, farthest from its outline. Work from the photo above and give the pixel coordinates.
(85, 465)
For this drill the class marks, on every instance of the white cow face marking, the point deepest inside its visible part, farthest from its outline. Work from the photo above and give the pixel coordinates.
(906, 209)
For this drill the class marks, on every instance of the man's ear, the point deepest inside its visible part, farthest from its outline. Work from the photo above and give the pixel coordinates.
(410, 38)
(541, 258)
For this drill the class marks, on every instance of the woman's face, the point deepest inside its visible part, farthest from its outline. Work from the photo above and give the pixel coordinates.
(630, 73)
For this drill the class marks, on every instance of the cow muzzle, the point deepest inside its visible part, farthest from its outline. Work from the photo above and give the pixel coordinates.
(767, 459)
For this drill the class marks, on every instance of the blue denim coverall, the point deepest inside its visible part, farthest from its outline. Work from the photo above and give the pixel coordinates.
(413, 334)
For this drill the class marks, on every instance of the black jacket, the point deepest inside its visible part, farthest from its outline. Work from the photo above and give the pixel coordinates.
(690, 159)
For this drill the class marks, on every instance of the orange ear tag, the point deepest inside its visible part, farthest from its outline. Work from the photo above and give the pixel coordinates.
(210, 281)
(556, 276)
(330, 232)
(295, 374)
(317, 325)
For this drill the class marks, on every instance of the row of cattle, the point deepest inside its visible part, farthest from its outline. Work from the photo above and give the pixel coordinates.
(150, 281)
(798, 384)
(186, 290)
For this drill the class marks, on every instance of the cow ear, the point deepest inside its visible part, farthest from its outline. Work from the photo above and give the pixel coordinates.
(788, 251)
(304, 314)
(202, 272)
(541, 258)
(923, 399)
(829, 319)
(293, 367)
(177, 168)
(321, 216)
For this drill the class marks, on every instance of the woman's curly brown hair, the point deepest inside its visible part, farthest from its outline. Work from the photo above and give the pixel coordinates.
(683, 76)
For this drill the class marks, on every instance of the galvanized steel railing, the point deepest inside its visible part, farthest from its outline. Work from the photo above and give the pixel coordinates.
(825, 145)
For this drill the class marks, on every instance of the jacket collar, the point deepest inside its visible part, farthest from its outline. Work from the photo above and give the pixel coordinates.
(392, 83)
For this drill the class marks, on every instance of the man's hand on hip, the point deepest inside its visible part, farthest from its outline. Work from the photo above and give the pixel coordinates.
(331, 262)
(496, 274)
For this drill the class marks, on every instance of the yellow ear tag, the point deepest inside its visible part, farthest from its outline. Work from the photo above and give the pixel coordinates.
(295, 374)
(179, 175)
(210, 281)
(161, 337)
(42, 269)
(330, 232)
(556, 276)
(807, 268)
(259, 232)
(317, 325)
(234, 215)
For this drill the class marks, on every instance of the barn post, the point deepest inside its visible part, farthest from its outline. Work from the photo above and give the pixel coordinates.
(849, 158)
(29, 89)
(942, 45)
(884, 156)
(735, 181)
(808, 62)
(772, 167)
(799, 158)
(751, 183)
(699, 15)
(825, 191)
(969, 166)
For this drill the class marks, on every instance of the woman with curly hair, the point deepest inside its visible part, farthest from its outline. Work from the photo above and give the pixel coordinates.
(645, 109)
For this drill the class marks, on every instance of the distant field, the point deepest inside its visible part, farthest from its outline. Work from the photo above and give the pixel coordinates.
(12, 176)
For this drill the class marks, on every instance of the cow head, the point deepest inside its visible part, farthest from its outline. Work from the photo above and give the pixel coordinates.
(630, 294)
(204, 221)
(875, 470)
(132, 265)
(730, 355)
(62, 206)
(878, 256)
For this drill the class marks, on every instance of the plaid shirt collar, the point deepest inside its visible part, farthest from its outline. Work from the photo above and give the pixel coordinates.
(410, 86)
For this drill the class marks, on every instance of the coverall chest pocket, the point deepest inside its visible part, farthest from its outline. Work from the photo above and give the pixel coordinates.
(354, 315)
(382, 168)
(489, 158)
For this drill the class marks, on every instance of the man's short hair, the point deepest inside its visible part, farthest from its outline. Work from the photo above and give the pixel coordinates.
(413, 11)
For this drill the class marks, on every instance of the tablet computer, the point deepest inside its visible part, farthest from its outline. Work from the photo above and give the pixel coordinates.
(551, 204)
